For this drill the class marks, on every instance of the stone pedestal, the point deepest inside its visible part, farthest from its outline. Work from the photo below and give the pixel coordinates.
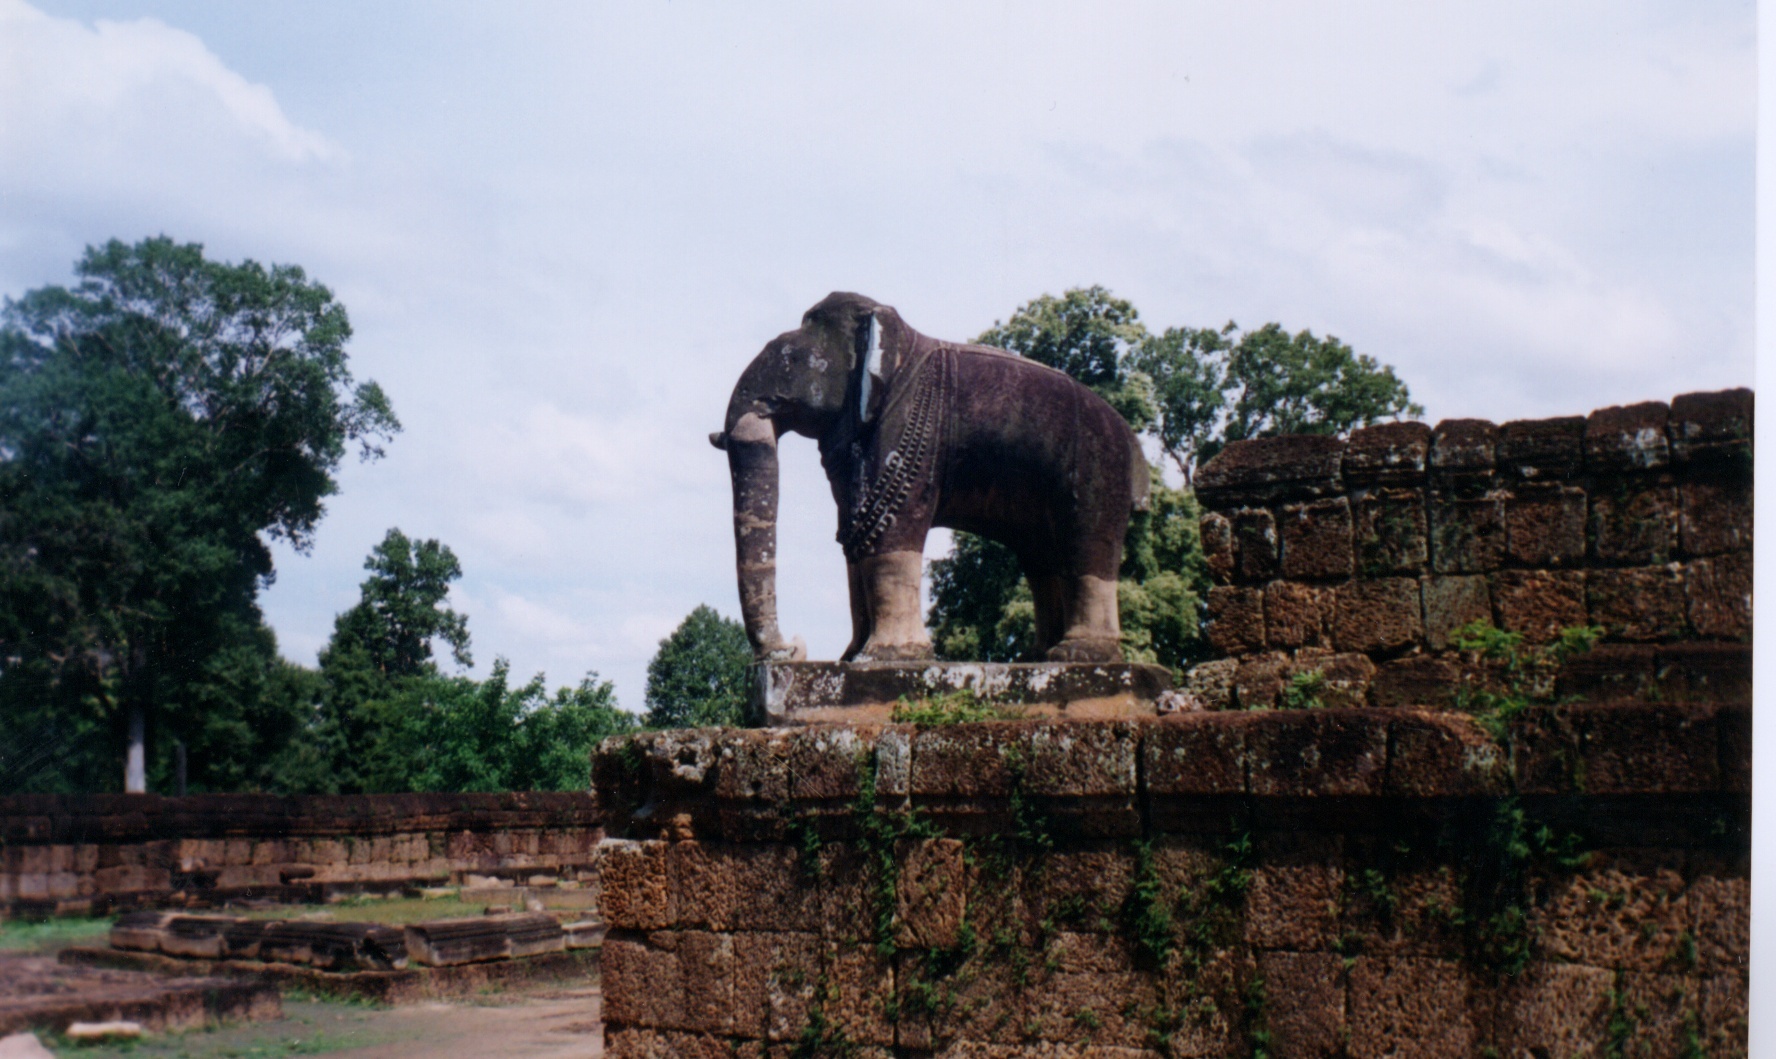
(795, 693)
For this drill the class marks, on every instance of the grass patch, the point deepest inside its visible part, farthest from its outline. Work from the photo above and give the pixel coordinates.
(50, 934)
(309, 1027)
(954, 707)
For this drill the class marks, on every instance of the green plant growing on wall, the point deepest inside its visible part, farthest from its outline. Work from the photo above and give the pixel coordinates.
(1521, 676)
(1304, 690)
(962, 706)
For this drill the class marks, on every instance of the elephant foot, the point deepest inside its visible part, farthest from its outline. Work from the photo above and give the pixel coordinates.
(1086, 650)
(920, 651)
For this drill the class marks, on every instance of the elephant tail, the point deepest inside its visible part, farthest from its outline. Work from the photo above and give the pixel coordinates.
(1140, 475)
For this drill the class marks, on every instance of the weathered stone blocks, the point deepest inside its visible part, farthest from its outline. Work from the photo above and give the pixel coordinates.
(1387, 454)
(1377, 616)
(1640, 603)
(1316, 539)
(1467, 533)
(1545, 525)
(1539, 603)
(1235, 620)
(1628, 438)
(1391, 533)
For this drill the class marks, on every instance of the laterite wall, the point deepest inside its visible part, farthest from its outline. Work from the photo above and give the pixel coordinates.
(1360, 558)
(1330, 882)
(94, 853)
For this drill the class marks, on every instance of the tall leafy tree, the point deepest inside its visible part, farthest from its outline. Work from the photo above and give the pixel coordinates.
(160, 421)
(382, 716)
(698, 676)
(1216, 386)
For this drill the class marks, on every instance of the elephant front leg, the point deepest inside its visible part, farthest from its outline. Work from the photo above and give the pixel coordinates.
(891, 596)
(860, 621)
(1094, 633)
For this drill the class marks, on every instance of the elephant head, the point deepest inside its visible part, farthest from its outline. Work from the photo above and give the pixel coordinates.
(801, 382)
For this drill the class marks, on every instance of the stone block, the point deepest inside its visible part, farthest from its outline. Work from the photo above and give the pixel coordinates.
(1387, 454)
(1256, 544)
(1720, 910)
(776, 978)
(1400, 1000)
(1081, 886)
(707, 962)
(1316, 539)
(1467, 533)
(1714, 516)
(1713, 427)
(1263, 470)
(1196, 754)
(1555, 1009)
(1662, 1013)
(1211, 683)
(1260, 679)
(1717, 596)
(1343, 679)
(754, 767)
(1634, 526)
(1097, 1010)
(1377, 616)
(1063, 759)
(1627, 909)
(977, 1005)
(1646, 748)
(931, 893)
(1463, 452)
(1627, 438)
(1452, 603)
(1392, 533)
(637, 885)
(1305, 1014)
(1235, 620)
(1726, 1018)
(962, 761)
(1296, 615)
(1607, 672)
(1317, 753)
(740, 886)
(1638, 603)
(1415, 680)
(628, 1043)
(1217, 544)
(1444, 755)
(1541, 450)
(1539, 603)
(1545, 525)
(1295, 893)
(861, 983)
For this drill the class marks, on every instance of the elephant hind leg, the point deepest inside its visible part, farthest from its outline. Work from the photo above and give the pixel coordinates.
(1049, 593)
(860, 620)
(1093, 633)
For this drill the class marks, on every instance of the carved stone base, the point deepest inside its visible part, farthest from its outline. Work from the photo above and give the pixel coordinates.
(796, 693)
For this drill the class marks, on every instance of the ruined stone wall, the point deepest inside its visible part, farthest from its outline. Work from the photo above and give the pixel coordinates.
(1359, 559)
(93, 853)
(1331, 882)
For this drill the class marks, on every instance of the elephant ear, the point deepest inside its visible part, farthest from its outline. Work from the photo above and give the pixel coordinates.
(869, 360)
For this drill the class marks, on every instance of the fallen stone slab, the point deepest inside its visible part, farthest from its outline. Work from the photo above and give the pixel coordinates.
(412, 984)
(450, 942)
(43, 993)
(99, 1032)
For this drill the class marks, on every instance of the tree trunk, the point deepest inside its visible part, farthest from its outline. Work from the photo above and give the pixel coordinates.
(135, 762)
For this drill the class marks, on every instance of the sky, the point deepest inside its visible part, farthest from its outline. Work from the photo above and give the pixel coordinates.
(562, 229)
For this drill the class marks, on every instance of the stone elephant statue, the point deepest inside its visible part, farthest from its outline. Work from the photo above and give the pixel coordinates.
(916, 433)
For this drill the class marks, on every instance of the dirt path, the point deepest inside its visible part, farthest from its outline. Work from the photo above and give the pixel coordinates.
(561, 1024)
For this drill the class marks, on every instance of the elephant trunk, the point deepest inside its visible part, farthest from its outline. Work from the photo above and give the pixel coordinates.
(751, 444)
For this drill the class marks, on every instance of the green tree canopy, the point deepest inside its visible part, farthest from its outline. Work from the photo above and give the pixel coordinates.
(1216, 386)
(401, 610)
(698, 676)
(382, 717)
(159, 422)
